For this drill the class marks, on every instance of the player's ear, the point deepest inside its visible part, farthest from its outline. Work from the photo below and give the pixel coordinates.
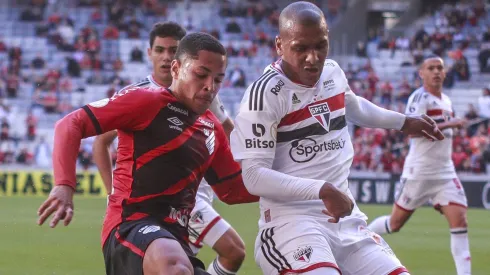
(148, 52)
(174, 68)
(278, 45)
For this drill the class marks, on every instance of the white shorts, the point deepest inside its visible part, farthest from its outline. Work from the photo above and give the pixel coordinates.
(415, 193)
(307, 243)
(205, 226)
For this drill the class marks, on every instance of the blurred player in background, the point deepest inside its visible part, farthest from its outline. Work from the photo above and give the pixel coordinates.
(292, 139)
(205, 226)
(168, 140)
(429, 173)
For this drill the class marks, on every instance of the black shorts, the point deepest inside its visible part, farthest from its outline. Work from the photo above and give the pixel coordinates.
(125, 247)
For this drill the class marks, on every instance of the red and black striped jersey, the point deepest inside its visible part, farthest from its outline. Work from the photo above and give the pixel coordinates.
(164, 151)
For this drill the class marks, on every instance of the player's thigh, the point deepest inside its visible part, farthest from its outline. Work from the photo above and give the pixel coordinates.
(206, 226)
(362, 251)
(452, 198)
(414, 193)
(127, 246)
(451, 201)
(293, 247)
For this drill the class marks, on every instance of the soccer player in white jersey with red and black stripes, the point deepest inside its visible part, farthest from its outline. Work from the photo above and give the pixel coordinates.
(292, 140)
(429, 172)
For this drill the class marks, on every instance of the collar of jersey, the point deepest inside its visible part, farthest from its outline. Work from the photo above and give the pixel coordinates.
(152, 79)
(191, 113)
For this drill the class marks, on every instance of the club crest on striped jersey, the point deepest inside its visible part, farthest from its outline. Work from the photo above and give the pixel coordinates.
(303, 254)
(321, 112)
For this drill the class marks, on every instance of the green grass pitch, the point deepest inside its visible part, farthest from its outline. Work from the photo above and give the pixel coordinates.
(423, 245)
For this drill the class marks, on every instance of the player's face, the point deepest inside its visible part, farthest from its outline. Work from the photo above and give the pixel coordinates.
(432, 72)
(161, 55)
(303, 50)
(199, 80)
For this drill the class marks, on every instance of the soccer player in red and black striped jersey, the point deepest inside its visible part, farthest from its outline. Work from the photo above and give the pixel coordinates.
(206, 226)
(168, 141)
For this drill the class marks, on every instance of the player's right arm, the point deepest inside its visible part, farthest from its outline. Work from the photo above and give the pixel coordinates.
(130, 110)
(101, 151)
(253, 143)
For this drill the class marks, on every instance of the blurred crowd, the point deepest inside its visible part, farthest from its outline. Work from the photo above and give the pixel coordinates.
(84, 64)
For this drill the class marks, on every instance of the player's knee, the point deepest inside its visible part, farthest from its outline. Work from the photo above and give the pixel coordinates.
(234, 253)
(168, 265)
(166, 257)
(238, 254)
(457, 218)
(231, 247)
(462, 223)
(177, 269)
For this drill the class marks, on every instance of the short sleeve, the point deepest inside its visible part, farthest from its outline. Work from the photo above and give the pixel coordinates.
(416, 104)
(261, 109)
(131, 109)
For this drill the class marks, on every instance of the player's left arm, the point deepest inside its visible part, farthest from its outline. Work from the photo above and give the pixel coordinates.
(225, 174)
(366, 114)
(451, 122)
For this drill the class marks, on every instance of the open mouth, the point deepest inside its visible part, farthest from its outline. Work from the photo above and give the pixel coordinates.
(312, 70)
(165, 67)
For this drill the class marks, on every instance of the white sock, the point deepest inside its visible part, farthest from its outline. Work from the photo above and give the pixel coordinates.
(215, 268)
(380, 225)
(460, 248)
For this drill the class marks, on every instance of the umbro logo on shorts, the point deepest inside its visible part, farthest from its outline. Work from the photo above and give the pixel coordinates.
(149, 229)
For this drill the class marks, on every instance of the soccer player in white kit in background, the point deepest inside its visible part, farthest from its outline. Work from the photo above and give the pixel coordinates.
(292, 140)
(429, 172)
(206, 225)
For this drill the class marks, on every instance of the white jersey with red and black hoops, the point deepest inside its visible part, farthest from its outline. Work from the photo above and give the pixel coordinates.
(429, 160)
(302, 128)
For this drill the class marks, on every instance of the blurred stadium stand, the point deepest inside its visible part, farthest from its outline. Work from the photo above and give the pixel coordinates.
(57, 55)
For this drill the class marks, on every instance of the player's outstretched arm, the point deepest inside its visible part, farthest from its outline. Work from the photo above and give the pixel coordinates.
(68, 134)
(129, 111)
(422, 126)
(101, 151)
(366, 114)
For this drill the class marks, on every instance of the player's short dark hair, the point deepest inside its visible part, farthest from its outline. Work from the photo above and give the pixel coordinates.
(166, 29)
(192, 43)
(430, 56)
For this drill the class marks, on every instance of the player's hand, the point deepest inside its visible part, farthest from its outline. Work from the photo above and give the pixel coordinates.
(60, 202)
(338, 204)
(422, 126)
